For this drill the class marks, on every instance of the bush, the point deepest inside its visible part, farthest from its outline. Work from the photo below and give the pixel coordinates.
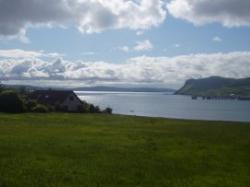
(11, 102)
(94, 109)
(84, 107)
(40, 109)
(1, 87)
(97, 109)
(108, 110)
(31, 104)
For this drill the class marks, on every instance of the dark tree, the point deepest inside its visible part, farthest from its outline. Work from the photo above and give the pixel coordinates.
(1, 87)
(40, 109)
(30, 104)
(94, 109)
(108, 110)
(91, 108)
(11, 102)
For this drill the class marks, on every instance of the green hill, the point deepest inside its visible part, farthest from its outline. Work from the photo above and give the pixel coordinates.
(216, 86)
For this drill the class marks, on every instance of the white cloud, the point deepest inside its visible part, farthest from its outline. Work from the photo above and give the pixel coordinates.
(22, 54)
(125, 49)
(89, 16)
(18, 53)
(145, 45)
(160, 71)
(230, 13)
(217, 39)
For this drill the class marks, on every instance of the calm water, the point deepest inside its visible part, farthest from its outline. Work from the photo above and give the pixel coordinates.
(169, 106)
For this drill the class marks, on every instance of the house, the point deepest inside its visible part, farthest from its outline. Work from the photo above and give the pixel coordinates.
(59, 99)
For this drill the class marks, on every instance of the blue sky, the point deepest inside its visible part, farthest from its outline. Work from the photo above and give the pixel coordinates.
(171, 38)
(158, 35)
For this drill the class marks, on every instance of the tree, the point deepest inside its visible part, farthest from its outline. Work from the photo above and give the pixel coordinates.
(1, 87)
(94, 109)
(83, 108)
(11, 102)
(108, 110)
(40, 109)
(30, 104)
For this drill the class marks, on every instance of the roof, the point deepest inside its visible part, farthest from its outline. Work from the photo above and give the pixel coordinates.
(51, 96)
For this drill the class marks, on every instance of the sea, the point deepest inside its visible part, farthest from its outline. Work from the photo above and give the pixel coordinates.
(168, 105)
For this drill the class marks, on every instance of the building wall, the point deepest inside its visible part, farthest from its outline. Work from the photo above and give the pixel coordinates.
(72, 105)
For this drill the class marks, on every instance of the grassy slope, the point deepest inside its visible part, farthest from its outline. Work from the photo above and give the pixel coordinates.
(99, 150)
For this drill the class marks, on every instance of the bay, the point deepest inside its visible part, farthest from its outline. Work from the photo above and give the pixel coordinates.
(168, 105)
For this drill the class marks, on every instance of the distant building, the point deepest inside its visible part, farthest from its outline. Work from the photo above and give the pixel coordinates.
(60, 100)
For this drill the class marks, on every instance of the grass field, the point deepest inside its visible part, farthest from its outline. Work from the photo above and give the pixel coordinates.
(101, 150)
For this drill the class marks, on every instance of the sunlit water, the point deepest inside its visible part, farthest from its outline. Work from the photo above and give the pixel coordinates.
(169, 106)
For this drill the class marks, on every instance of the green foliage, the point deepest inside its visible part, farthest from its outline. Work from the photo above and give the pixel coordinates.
(40, 109)
(216, 86)
(84, 108)
(11, 102)
(30, 104)
(1, 87)
(18, 100)
(22, 90)
(108, 110)
(119, 151)
(94, 109)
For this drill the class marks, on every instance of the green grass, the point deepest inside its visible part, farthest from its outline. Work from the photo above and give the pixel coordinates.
(101, 150)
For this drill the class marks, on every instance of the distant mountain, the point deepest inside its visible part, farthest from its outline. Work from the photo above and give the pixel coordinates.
(23, 87)
(216, 86)
(117, 89)
(97, 88)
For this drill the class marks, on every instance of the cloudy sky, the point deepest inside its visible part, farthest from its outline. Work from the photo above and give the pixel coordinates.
(156, 43)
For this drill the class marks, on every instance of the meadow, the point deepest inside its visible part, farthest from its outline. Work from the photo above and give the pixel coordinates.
(110, 150)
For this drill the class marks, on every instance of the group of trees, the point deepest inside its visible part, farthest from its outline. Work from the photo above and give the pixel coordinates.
(90, 108)
(13, 101)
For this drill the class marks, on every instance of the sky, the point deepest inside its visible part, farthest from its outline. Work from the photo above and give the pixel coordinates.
(135, 43)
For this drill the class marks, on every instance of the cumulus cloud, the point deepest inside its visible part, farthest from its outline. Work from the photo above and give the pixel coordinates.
(88, 16)
(18, 53)
(145, 45)
(160, 71)
(140, 46)
(22, 54)
(230, 13)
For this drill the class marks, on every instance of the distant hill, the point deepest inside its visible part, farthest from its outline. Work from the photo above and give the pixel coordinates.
(117, 89)
(97, 88)
(216, 86)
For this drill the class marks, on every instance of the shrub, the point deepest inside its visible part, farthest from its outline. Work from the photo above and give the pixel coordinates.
(1, 87)
(97, 109)
(11, 102)
(84, 107)
(108, 110)
(94, 109)
(91, 108)
(40, 109)
(30, 104)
